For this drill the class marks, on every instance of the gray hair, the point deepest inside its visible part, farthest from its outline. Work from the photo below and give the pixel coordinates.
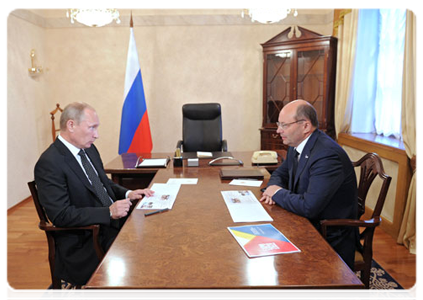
(73, 111)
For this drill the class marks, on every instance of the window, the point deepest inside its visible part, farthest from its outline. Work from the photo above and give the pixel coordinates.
(377, 86)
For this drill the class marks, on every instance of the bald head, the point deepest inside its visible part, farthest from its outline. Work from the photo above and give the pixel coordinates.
(297, 120)
(301, 109)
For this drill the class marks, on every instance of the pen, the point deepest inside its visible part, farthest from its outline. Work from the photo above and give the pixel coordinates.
(156, 212)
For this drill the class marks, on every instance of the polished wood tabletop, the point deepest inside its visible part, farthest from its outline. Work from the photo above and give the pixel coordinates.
(190, 247)
(124, 164)
(123, 171)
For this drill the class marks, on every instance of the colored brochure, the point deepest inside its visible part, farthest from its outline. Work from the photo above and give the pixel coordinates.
(244, 207)
(262, 240)
(164, 196)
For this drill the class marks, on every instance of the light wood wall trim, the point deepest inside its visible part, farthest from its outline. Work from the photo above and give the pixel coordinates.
(18, 205)
(404, 174)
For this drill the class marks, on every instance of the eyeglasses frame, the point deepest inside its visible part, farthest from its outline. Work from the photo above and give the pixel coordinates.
(286, 126)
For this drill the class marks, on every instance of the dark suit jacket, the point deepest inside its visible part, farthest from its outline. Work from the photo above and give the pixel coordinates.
(69, 200)
(324, 187)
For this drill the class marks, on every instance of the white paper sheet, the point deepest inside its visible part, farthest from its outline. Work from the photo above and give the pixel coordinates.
(182, 181)
(246, 182)
(244, 206)
(164, 196)
(204, 154)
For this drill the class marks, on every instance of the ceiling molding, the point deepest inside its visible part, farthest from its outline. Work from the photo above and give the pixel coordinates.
(174, 18)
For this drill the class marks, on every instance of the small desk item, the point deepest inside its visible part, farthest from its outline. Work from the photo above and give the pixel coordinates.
(202, 154)
(186, 155)
(152, 162)
(264, 158)
(193, 162)
(156, 212)
(246, 182)
(241, 173)
(226, 161)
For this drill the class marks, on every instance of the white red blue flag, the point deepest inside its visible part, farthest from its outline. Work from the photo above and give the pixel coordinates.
(135, 135)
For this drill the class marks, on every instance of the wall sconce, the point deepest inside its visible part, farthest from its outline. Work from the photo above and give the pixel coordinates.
(34, 70)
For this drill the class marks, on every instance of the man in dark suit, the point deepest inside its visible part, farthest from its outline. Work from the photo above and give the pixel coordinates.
(75, 191)
(317, 183)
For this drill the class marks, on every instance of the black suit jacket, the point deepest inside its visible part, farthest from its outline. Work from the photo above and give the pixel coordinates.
(324, 187)
(69, 200)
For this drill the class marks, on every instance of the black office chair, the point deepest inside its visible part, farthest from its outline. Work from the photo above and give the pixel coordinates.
(202, 128)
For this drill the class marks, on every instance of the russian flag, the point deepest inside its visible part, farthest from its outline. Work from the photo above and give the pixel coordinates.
(135, 135)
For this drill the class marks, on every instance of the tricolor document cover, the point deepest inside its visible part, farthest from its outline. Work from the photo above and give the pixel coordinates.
(262, 240)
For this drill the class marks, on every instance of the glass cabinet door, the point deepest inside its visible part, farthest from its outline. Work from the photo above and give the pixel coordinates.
(310, 78)
(278, 80)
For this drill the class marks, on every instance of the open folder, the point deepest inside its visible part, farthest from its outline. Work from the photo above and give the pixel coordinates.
(152, 162)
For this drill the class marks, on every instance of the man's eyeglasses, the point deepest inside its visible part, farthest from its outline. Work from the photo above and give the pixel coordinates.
(286, 125)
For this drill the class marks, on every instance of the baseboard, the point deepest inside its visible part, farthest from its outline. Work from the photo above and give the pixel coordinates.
(18, 205)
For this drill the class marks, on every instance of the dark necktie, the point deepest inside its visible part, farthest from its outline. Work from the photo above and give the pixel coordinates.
(295, 165)
(95, 180)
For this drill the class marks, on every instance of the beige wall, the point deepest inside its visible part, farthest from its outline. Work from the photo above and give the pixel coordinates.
(179, 64)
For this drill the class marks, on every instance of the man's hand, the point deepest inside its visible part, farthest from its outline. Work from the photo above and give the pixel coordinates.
(120, 208)
(137, 194)
(268, 194)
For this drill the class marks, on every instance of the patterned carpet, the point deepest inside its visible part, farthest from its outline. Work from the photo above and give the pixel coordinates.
(382, 287)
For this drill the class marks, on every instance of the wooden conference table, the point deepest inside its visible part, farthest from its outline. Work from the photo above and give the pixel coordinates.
(190, 247)
(122, 168)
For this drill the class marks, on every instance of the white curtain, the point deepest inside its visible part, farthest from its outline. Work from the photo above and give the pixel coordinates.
(365, 72)
(407, 234)
(347, 32)
(377, 81)
(390, 70)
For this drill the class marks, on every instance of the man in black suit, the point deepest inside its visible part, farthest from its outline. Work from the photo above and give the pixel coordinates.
(317, 183)
(75, 191)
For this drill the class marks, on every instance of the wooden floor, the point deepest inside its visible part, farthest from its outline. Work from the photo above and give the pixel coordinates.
(28, 268)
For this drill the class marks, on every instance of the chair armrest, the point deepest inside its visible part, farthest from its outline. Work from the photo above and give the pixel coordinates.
(95, 228)
(50, 227)
(224, 146)
(349, 222)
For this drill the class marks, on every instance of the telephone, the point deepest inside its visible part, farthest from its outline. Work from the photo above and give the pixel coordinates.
(264, 157)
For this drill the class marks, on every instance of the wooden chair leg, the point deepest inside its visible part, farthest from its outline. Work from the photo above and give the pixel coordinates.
(365, 277)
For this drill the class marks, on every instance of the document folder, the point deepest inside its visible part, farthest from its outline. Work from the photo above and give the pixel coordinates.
(152, 162)
(241, 173)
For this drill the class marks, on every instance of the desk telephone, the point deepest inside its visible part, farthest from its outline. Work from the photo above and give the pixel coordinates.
(264, 157)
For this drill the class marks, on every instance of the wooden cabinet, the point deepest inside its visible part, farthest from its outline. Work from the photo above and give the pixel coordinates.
(297, 64)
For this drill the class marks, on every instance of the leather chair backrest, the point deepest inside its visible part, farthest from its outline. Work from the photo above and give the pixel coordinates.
(202, 127)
